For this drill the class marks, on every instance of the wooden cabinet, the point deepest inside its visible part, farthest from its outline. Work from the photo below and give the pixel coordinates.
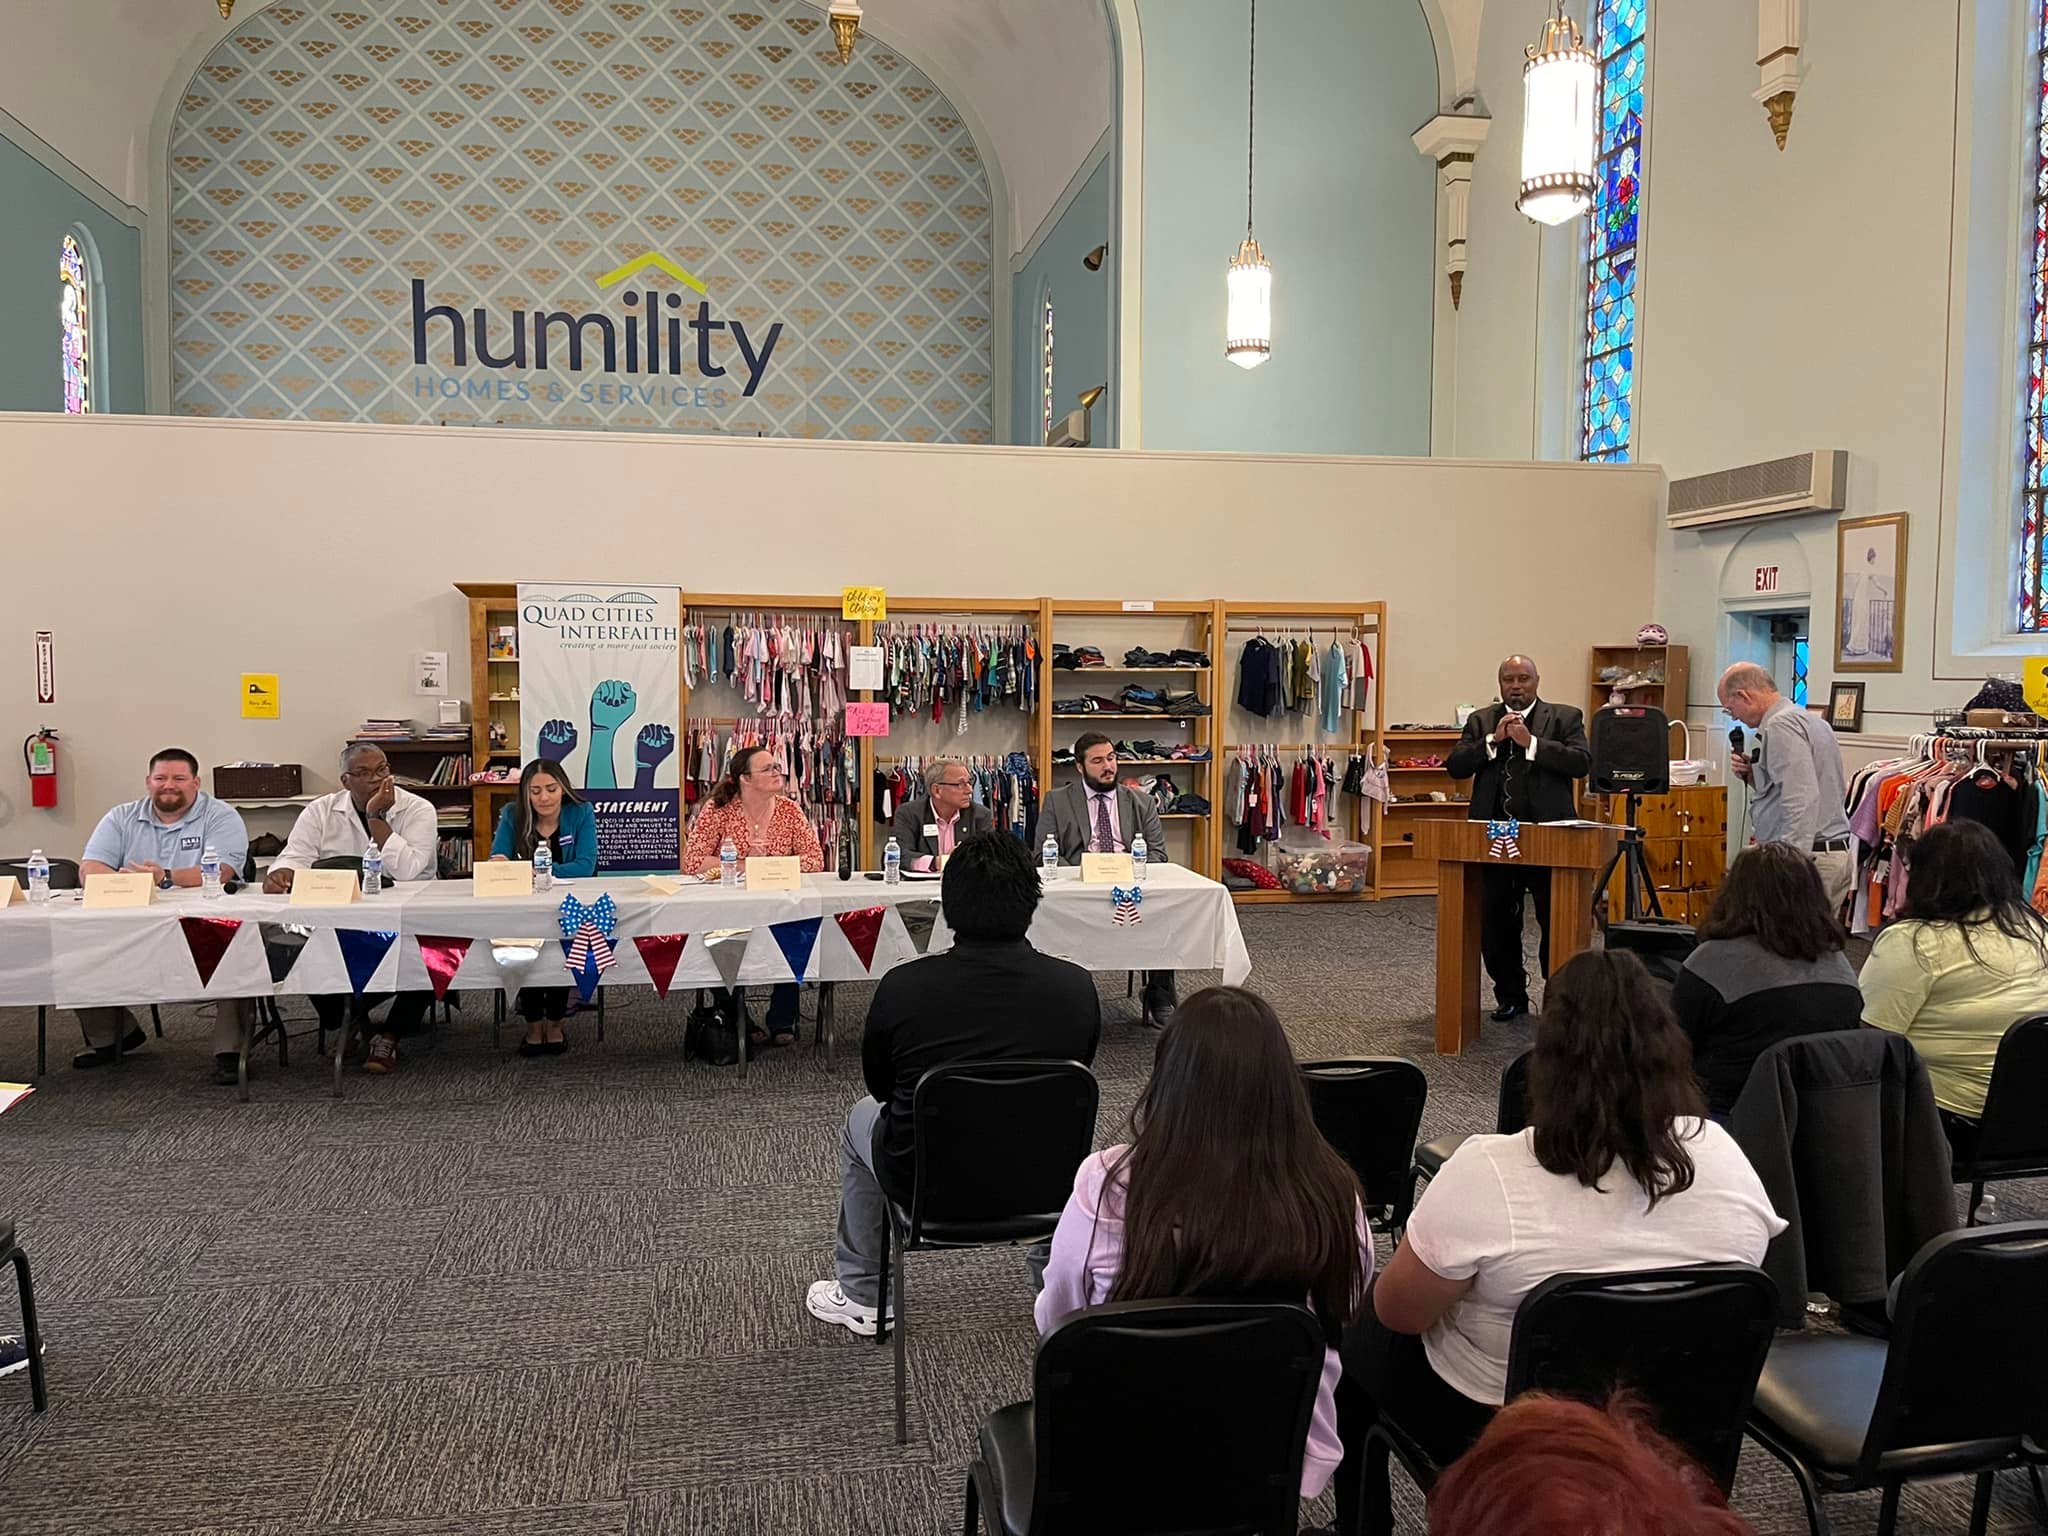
(1685, 841)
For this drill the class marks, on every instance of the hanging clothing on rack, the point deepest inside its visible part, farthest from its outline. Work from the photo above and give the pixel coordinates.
(928, 668)
(1336, 684)
(1259, 688)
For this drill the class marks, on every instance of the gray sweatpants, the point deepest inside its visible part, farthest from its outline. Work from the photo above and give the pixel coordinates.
(103, 1026)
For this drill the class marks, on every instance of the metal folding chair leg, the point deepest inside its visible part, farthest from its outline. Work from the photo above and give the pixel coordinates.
(341, 1044)
(31, 1332)
(242, 1056)
(42, 1041)
(156, 1019)
(887, 1298)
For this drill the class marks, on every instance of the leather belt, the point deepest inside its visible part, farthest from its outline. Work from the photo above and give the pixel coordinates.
(1831, 845)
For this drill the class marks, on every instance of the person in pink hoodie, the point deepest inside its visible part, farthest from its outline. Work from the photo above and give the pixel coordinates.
(1224, 1190)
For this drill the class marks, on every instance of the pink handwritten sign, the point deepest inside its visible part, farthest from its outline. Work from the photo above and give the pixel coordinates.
(867, 719)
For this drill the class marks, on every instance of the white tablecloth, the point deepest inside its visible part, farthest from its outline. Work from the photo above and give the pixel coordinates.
(63, 955)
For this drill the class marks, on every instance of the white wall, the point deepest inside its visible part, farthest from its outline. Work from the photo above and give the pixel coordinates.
(328, 555)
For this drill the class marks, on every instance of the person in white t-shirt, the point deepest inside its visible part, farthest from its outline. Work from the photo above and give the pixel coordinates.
(1619, 1169)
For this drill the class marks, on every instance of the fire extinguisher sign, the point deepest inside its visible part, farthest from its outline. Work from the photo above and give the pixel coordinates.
(46, 667)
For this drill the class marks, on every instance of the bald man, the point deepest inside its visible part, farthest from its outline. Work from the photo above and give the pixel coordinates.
(1795, 776)
(1522, 755)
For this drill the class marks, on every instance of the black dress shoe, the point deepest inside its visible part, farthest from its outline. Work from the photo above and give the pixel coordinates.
(102, 1055)
(1507, 1012)
(1158, 1016)
(533, 1048)
(227, 1069)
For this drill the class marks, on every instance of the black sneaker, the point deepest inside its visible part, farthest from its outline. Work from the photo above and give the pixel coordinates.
(14, 1353)
(227, 1068)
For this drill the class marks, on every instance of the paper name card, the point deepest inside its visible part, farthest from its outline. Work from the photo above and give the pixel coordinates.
(10, 891)
(512, 877)
(325, 888)
(1107, 869)
(661, 885)
(119, 891)
(775, 874)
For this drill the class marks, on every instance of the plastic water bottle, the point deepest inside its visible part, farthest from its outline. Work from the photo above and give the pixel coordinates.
(728, 864)
(38, 876)
(892, 864)
(209, 873)
(1049, 855)
(1138, 855)
(543, 866)
(373, 869)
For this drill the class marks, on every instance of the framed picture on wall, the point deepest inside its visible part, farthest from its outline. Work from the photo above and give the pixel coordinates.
(1845, 707)
(1870, 592)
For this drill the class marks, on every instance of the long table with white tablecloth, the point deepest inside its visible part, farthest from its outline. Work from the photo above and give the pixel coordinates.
(60, 954)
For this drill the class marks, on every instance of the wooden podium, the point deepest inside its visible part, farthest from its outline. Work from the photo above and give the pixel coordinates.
(1462, 853)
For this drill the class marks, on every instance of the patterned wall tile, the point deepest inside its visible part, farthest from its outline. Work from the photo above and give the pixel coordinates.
(505, 154)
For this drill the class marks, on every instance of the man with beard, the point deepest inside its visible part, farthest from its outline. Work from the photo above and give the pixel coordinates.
(164, 835)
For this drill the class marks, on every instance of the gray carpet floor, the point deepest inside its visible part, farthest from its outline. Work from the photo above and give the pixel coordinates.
(501, 1297)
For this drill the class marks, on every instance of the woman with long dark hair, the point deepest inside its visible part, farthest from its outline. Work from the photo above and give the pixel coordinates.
(1225, 1189)
(1969, 959)
(1620, 1168)
(1769, 966)
(547, 809)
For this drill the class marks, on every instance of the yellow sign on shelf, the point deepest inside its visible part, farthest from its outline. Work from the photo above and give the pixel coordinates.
(259, 695)
(863, 603)
(2034, 679)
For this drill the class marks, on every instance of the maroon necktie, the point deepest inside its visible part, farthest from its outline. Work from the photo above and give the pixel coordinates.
(1105, 839)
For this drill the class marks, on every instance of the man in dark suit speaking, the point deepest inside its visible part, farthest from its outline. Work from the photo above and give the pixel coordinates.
(1522, 755)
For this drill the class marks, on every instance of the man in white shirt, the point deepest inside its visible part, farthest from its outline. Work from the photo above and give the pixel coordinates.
(368, 808)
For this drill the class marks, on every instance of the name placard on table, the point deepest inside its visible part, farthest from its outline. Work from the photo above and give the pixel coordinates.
(119, 890)
(325, 888)
(1107, 869)
(782, 874)
(512, 877)
(11, 892)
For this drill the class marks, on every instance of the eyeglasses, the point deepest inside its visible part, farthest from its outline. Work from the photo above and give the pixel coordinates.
(951, 784)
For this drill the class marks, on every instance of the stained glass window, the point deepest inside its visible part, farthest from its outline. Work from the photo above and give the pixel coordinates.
(2033, 603)
(1611, 249)
(1802, 653)
(1045, 427)
(75, 314)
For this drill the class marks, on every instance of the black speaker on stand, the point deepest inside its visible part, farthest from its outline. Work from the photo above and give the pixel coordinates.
(1631, 758)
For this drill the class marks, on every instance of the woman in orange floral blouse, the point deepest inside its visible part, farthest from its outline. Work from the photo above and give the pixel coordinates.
(749, 807)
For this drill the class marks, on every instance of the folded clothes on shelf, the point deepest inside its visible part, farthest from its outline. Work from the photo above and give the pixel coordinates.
(1138, 656)
(1188, 658)
(1072, 658)
(1188, 805)
(1187, 753)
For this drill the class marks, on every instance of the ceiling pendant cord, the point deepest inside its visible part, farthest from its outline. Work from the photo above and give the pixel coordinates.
(1251, 118)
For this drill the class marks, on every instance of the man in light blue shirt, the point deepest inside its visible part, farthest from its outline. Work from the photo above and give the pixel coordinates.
(164, 834)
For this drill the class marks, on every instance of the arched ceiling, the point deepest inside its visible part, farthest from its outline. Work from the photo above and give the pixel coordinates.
(88, 77)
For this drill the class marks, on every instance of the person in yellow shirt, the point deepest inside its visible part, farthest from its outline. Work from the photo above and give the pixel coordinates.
(1967, 962)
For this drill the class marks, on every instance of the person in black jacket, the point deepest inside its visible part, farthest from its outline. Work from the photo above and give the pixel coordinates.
(991, 997)
(1522, 755)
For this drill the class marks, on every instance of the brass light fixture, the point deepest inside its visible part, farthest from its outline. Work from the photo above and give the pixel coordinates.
(1093, 260)
(1248, 312)
(227, 9)
(1560, 97)
(1088, 397)
(845, 18)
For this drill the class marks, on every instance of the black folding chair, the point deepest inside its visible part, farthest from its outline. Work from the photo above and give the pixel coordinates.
(1151, 1417)
(1511, 1114)
(31, 1334)
(1369, 1108)
(2010, 1139)
(1957, 1388)
(998, 1143)
(1688, 1341)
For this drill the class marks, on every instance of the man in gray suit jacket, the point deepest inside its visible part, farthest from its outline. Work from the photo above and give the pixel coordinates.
(1099, 815)
(943, 817)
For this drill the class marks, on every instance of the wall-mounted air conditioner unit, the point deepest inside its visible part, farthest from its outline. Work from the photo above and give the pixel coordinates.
(1806, 482)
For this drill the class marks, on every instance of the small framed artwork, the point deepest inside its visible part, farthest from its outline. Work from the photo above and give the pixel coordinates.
(1870, 590)
(1845, 707)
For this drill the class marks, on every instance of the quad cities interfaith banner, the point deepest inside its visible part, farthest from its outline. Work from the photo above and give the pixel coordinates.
(598, 693)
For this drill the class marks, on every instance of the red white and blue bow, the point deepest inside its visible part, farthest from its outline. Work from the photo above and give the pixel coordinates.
(1126, 904)
(589, 933)
(1501, 839)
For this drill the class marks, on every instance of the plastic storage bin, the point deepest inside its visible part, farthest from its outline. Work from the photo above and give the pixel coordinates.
(1314, 867)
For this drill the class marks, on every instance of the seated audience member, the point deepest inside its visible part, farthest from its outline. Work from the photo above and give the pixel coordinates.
(1225, 1191)
(990, 997)
(1769, 966)
(1550, 1466)
(368, 808)
(164, 834)
(749, 807)
(547, 808)
(1967, 962)
(1619, 1169)
(931, 825)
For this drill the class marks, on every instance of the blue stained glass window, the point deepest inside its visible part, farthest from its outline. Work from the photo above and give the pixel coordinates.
(1607, 427)
(2032, 599)
(1802, 653)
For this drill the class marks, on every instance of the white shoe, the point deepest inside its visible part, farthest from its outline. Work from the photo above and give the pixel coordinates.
(830, 1304)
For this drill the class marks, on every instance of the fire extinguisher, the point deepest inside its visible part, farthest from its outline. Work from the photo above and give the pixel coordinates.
(40, 753)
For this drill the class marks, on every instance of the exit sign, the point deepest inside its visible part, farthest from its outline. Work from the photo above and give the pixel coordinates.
(1766, 578)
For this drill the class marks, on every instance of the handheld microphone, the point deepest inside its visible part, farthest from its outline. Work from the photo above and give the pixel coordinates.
(1735, 742)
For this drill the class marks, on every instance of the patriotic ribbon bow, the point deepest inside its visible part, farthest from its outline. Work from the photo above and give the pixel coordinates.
(1126, 904)
(589, 932)
(1501, 839)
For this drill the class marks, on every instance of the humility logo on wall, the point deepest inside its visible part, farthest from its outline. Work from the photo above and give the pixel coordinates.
(644, 343)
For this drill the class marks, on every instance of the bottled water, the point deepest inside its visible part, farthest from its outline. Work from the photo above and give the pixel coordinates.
(892, 864)
(209, 873)
(38, 877)
(543, 866)
(373, 870)
(728, 864)
(1138, 855)
(1049, 854)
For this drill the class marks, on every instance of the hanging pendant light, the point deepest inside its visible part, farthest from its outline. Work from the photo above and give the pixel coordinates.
(1560, 95)
(1248, 321)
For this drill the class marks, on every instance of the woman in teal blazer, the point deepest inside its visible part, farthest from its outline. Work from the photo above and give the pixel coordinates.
(547, 807)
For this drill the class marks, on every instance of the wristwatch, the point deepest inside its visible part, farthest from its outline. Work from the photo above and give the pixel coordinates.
(164, 882)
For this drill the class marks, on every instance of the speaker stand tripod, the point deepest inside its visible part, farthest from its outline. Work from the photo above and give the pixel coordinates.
(1635, 867)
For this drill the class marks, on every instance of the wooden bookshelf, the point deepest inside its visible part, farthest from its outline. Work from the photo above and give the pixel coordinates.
(1655, 675)
(1401, 873)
